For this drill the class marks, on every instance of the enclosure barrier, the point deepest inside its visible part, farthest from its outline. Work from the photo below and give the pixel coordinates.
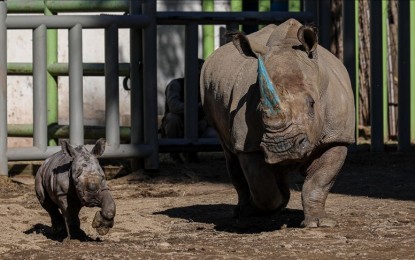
(145, 147)
(142, 19)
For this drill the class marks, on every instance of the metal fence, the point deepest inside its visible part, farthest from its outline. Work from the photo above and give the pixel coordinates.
(142, 19)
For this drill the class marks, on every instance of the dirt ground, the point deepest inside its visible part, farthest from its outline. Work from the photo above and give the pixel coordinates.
(185, 212)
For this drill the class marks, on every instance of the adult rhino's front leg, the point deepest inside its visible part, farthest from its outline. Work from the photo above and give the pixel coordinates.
(320, 177)
(269, 191)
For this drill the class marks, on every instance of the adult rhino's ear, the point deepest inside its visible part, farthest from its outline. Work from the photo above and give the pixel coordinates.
(67, 148)
(247, 47)
(99, 147)
(308, 36)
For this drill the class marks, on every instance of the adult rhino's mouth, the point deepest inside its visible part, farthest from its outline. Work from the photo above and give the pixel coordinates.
(279, 148)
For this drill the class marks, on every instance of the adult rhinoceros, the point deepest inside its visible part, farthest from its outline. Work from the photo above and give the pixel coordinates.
(280, 103)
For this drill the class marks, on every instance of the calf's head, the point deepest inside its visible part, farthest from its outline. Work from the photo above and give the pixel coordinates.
(290, 86)
(86, 173)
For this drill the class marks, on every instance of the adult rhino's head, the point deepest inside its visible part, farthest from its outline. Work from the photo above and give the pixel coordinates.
(290, 87)
(86, 173)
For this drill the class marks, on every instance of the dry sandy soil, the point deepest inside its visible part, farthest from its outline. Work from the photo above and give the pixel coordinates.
(185, 212)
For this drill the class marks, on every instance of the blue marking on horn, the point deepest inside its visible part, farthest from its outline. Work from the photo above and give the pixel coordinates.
(270, 98)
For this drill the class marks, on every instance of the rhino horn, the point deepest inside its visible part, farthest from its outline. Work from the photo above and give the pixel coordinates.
(269, 97)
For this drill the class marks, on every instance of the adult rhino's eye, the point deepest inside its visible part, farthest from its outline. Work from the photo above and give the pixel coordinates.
(84, 165)
(310, 103)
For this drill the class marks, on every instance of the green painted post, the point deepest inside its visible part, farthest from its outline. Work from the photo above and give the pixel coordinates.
(52, 81)
(264, 6)
(294, 5)
(385, 109)
(412, 68)
(236, 6)
(208, 30)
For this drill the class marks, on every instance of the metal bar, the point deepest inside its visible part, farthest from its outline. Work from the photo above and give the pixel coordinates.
(191, 82)
(208, 30)
(376, 76)
(412, 62)
(150, 84)
(112, 100)
(310, 6)
(247, 17)
(385, 23)
(51, 81)
(350, 48)
(89, 69)
(136, 81)
(37, 6)
(76, 86)
(40, 124)
(324, 22)
(123, 151)
(69, 21)
(3, 90)
(87, 6)
(62, 69)
(404, 77)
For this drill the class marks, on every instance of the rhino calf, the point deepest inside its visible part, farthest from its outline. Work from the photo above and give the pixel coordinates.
(67, 181)
(280, 103)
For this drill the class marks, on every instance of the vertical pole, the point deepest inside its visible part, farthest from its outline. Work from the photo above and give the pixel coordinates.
(236, 6)
(208, 30)
(40, 123)
(412, 62)
(294, 5)
(350, 48)
(3, 89)
(324, 22)
(385, 70)
(264, 6)
(112, 115)
(311, 7)
(150, 84)
(136, 82)
(191, 83)
(51, 81)
(76, 111)
(404, 70)
(376, 76)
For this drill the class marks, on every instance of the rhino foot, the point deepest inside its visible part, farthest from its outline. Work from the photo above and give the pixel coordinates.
(318, 222)
(101, 224)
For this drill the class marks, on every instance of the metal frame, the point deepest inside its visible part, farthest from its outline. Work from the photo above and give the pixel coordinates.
(142, 21)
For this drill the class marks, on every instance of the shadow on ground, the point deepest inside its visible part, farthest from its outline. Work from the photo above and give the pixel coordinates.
(378, 175)
(220, 216)
(47, 231)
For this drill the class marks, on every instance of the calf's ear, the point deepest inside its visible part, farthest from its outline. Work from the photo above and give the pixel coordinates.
(99, 147)
(67, 148)
(247, 47)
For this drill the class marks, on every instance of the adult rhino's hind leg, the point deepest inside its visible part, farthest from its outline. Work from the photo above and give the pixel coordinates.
(320, 177)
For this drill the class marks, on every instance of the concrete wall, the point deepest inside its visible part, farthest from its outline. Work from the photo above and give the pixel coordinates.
(170, 46)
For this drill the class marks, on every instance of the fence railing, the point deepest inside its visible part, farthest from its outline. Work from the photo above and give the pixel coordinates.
(141, 19)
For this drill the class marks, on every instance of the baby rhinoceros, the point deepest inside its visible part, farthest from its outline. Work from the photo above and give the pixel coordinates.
(67, 181)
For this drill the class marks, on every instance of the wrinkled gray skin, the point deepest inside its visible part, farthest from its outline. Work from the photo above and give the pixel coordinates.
(307, 132)
(67, 181)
